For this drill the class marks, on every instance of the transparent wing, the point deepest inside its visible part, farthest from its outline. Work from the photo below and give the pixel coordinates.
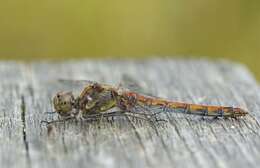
(75, 82)
(132, 84)
(126, 81)
(149, 113)
(76, 86)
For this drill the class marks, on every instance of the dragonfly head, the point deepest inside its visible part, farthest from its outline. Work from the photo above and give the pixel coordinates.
(63, 103)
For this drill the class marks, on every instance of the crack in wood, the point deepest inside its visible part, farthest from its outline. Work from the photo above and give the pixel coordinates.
(23, 118)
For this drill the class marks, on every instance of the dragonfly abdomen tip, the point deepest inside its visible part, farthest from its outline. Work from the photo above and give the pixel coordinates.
(239, 112)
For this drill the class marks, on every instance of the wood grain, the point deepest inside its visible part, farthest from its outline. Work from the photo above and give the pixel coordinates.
(184, 141)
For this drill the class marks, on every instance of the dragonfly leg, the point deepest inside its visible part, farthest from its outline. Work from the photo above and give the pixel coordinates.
(57, 121)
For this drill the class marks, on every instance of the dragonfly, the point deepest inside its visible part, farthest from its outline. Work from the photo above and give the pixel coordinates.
(98, 100)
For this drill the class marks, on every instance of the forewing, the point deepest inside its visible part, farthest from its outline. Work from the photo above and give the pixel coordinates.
(132, 84)
(76, 86)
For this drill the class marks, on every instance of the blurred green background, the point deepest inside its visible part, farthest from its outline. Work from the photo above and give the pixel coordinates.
(61, 29)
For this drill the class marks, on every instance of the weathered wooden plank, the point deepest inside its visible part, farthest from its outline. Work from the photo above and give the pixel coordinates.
(185, 141)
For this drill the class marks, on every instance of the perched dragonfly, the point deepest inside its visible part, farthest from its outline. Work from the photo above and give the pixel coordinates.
(97, 100)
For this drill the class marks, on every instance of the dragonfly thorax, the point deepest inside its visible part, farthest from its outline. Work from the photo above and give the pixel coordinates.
(64, 103)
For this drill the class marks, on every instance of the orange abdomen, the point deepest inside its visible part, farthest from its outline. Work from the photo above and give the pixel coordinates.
(196, 109)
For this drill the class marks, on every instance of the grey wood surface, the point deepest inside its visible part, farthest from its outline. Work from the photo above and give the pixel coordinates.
(185, 141)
